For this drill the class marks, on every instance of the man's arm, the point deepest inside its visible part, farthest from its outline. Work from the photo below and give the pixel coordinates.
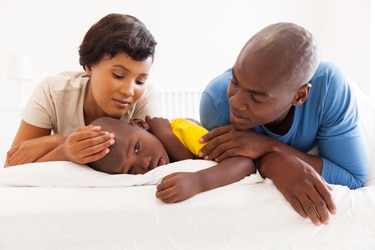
(180, 186)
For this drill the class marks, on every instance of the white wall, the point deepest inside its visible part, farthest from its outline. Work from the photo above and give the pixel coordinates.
(196, 39)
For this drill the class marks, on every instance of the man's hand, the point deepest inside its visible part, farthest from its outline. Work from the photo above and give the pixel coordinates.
(225, 142)
(300, 184)
(178, 187)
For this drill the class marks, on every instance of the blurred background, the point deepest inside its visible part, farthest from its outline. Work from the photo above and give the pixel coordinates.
(197, 40)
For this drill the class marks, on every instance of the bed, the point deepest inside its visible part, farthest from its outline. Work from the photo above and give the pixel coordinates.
(62, 205)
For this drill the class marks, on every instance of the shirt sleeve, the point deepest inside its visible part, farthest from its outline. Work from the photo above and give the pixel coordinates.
(214, 106)
(189, 132)
(340, 139)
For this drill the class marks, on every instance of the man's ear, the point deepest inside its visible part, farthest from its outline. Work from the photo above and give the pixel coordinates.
(302, 94)
(140, 123)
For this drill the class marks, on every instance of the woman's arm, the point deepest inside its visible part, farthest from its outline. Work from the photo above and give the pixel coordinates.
(180, 186)
(30, 143)
(34, 144)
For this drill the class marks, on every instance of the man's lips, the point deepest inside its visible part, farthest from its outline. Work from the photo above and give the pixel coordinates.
(236, 115)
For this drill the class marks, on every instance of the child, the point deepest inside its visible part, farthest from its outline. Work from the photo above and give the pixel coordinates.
(144, 145)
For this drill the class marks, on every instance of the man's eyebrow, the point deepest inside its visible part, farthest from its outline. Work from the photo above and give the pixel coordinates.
(254, 92)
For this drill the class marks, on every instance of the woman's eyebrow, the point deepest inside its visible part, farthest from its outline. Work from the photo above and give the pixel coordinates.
(121, 66)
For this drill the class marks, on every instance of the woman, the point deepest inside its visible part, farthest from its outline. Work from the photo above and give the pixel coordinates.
(116, 54)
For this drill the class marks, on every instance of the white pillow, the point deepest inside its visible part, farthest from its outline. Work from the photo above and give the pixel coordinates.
(69, 174)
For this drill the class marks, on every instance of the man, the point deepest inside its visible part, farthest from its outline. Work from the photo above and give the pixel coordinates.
(281, 102)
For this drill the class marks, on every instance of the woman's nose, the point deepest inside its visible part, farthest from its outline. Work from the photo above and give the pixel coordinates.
(127, 88)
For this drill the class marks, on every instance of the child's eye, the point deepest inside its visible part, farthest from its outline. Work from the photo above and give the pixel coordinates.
(136, 148)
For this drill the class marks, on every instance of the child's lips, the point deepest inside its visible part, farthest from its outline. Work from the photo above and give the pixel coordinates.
(161, 162)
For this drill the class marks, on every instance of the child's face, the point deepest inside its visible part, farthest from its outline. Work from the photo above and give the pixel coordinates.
(138, 151)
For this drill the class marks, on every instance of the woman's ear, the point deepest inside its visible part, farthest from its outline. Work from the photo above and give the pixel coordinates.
(140, 123)
(87, 69)
(302, 94)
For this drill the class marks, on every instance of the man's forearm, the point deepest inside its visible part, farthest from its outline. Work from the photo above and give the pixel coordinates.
(315, 161)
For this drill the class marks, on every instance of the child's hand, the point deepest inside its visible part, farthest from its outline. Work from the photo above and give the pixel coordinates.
(177, 187)
(87, 144)
(160, 127)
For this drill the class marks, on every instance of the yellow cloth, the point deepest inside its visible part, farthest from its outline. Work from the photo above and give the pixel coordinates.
(188, 132)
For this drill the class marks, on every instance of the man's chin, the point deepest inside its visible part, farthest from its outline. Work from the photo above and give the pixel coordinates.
(240, 126)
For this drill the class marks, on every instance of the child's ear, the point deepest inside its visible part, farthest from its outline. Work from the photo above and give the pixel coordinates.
(302, 94)
(140, 123)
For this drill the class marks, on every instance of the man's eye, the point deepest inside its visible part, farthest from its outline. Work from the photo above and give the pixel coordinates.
(255, 100)
(136, 148)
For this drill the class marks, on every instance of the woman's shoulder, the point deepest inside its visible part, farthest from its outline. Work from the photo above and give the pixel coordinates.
(66, 80)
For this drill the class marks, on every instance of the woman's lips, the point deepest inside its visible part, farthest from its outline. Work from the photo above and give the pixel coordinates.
(122, 103)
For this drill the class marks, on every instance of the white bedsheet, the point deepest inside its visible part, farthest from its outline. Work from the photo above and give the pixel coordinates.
(61, 205)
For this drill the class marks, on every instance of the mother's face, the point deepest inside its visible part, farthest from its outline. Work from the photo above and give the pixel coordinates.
(117, 83)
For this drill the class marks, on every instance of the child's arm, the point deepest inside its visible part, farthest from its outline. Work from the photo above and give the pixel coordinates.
(161, 128)
(180, 186)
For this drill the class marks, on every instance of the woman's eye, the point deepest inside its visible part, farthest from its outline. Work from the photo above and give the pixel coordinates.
(136, 148)
(117, 76)
(140, 82)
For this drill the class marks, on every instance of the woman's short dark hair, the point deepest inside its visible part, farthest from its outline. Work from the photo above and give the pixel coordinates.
(116, 33)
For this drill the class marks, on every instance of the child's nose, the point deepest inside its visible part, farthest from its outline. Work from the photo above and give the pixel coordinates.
(146, 164)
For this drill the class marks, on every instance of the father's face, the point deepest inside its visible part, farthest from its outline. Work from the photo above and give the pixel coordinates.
(260, 92)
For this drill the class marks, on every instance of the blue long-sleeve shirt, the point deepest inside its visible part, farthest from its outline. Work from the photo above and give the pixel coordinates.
(328, 119)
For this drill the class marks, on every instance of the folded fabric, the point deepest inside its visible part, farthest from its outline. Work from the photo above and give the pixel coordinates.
(68, 174)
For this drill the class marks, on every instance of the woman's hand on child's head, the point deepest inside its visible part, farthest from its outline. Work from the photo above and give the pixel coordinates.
(88, 144)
